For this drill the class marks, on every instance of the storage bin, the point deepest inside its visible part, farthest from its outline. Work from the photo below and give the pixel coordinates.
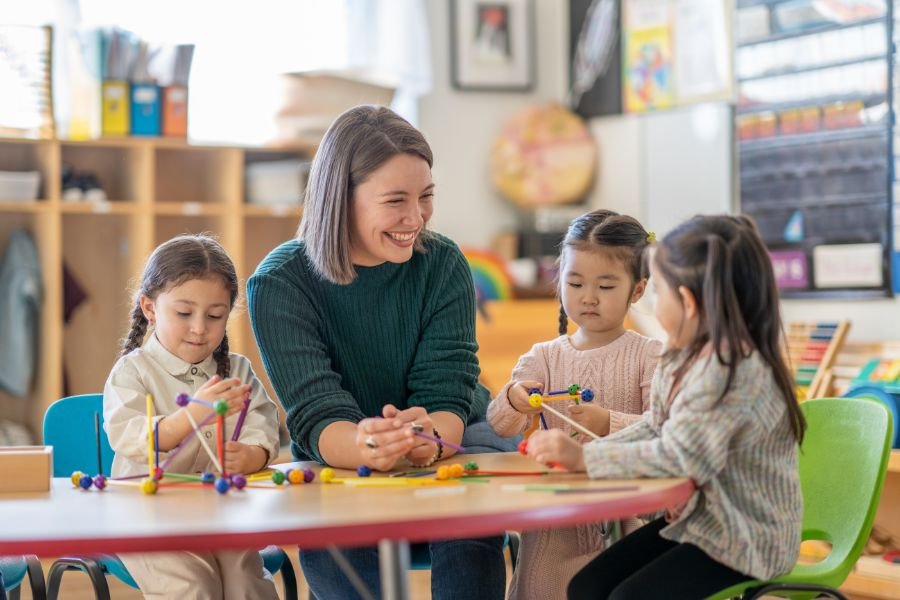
(276, 182)
(19, 185)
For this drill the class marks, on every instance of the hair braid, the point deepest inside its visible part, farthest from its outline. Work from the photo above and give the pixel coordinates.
(563, 320)
(135, 336)
(223, 362)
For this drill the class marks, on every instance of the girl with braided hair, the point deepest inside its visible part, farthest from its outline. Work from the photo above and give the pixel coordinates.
(186, 294)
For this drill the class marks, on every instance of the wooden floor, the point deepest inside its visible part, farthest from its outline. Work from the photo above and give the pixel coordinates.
(76, 586)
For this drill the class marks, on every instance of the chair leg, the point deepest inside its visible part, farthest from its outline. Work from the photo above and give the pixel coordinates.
(35, 578)
(87, 565)
(288, 579)
(514, 540)
(796, 587)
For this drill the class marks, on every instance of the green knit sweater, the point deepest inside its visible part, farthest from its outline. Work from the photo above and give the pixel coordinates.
(401, 334)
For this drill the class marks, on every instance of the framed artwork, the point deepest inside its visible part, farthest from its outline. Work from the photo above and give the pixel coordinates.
(492, 45)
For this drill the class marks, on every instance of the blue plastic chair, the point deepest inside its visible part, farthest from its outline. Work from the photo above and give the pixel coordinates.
(69, 428)
(14, 570)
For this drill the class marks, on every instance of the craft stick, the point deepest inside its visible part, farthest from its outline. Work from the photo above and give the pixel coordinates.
(127, 477)
(186, 439)
(571, 422)
(97, 440)
(125, 483)
(456, 447)
(156, 443)
(149, 433)
(240, 421)
(488, 472)
(608, 490)
(203, 443)
(388, 482)
(183, 476)
(544, 421)
(220, 442)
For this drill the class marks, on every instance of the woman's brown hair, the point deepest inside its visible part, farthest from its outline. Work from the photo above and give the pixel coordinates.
(723, 262)
(357, 143)
(174, 262)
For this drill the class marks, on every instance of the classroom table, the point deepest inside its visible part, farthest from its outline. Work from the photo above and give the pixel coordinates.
(318, 515)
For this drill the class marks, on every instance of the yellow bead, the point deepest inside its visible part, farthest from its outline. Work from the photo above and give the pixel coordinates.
(535, 400)
(456, 471)
(76, 478)
(327, 475)
(148, 486)
(443, 472)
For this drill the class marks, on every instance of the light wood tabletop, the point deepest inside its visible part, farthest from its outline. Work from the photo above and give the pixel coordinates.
(316, 515)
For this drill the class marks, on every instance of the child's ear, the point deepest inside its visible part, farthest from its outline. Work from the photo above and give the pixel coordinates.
(639, 290)
(148, 307)
(688, 301)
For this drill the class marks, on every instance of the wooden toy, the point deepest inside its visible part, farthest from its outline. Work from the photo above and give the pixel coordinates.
(26, 468)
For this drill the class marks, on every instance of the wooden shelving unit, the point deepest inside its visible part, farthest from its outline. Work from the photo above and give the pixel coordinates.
(157, 188)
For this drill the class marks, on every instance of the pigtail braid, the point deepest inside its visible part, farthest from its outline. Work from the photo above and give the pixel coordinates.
(135, 336)
(223, 361)
(563, 320)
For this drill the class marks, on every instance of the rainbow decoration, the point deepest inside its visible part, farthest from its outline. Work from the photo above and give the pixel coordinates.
(489, 274)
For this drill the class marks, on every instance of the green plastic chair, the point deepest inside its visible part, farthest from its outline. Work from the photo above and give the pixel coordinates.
(843, 462)
(15, 568)
(69, 428)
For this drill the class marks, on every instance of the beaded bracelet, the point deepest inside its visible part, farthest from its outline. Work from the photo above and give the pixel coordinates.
(437, 455)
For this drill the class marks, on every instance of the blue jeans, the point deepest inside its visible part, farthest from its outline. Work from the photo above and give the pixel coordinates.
(471, 569)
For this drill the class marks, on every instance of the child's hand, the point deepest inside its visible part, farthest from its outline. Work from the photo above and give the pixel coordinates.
(382, 442)
(591, 416)
(422, 449)
(231, 390)
(244, 459)
(518, 396)
(554, 446)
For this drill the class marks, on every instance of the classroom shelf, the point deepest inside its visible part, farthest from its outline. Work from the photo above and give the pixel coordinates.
(777, 37)
(157, 188)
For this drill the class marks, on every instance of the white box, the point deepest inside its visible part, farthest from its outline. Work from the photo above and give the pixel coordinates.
(276, 181)
(19, 185)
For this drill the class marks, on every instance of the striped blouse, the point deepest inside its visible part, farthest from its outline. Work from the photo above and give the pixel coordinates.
(740, 452)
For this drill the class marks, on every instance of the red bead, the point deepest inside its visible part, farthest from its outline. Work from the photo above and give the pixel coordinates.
(523, 447)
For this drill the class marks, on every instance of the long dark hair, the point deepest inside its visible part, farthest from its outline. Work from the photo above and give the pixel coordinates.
(174, 262)
(723, 262)
(606, 230)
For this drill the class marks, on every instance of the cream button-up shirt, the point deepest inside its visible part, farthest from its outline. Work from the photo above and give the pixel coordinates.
(153, 369)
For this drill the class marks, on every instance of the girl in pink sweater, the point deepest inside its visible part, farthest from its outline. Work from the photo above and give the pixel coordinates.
(602, 272)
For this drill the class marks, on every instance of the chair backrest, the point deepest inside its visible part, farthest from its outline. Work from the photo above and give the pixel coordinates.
(843, 462)
(69, 428)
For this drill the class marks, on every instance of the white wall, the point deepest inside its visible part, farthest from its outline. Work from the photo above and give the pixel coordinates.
(461, 126)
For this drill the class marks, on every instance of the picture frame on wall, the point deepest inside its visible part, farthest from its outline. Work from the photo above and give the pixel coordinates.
(492, 45)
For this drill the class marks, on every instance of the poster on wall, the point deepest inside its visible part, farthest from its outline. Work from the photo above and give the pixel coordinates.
(675, 52)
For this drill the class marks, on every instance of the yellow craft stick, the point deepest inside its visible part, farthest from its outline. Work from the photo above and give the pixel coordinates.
(203, 443)
(150, 468)
(393, 482)
(574, 424)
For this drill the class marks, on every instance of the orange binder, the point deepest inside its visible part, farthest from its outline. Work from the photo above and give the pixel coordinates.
(175, 111)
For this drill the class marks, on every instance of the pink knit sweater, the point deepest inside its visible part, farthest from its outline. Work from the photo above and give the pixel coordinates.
(619, 374)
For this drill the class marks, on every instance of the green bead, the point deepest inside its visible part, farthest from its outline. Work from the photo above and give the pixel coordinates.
(573, 389)
(221, 407)
(471, 466)
(277, 477)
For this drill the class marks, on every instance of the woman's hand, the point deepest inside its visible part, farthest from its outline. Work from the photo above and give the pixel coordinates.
(244, 459)
(518, 394)
(230, 390)
(593, 417)
(382, 442)
(422, 450)
(554, 446)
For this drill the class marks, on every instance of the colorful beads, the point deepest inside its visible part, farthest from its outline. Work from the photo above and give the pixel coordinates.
(85, 482)
(472, 465)
(100, 482)
(207, 477)
(221, 407)
(308, 475)
(573, 389)
(148, 486)
(443, 473)
(326, 475)
(535, 400)
(182, 399)
(587, 395)
(523, 447)
(456, 471)
(222, 485)
(363, 471)
(158, 474)
(76, 478)
(238, 481)
(277, 477)
(295, 476)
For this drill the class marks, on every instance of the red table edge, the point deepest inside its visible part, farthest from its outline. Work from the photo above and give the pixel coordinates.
(353, 535)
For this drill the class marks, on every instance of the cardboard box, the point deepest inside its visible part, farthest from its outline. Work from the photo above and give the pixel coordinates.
(25, 468)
